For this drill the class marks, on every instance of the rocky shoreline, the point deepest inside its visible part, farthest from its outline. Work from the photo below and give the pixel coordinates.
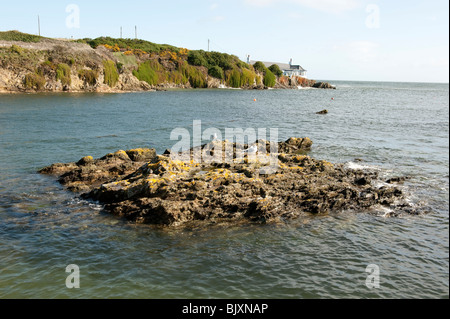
(146, 188)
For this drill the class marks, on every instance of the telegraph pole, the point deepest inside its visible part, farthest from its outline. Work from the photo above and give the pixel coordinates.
(135, 31)
(39, 25)
(208, 44)
(121, 32)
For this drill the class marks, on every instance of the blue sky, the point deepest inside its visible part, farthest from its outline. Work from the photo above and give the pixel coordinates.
(368, 40)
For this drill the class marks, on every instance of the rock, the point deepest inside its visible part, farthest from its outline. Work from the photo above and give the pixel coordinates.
(88, 173)
(324, 85)
(85, 161)
(142, 154)
(322, 112)
(144, 187)
(397, 180)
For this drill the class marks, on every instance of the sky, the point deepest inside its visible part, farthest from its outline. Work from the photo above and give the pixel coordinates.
(355, 40)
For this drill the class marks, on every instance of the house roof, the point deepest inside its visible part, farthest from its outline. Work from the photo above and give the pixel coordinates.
(283, 66)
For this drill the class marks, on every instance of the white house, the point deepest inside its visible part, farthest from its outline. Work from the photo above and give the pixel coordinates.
(288, 69)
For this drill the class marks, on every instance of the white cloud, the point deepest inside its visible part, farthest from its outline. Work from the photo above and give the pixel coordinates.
(331, 6)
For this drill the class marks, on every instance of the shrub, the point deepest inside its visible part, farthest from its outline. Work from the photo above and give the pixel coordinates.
(217, 72)
(88, 76)
(269, 79)
(196, 78)
(196, 58)
(111, 74)
(192, 75)
(234, 79)
(258, 80)
(247, 77)
(120, 67)
(275, 69)
(260, 67)
(16, 49)
(63, 74)
(34, 81)
(151, 72)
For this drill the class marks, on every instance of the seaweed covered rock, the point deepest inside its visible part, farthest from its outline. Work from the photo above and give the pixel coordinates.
(144, 187)
(88, 173)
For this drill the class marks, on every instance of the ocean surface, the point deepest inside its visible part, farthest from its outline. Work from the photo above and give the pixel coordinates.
(399, 129)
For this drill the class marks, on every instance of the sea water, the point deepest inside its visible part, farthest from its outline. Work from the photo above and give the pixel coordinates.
(398, 129)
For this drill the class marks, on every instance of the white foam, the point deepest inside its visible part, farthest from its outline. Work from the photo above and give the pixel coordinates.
(356, 166)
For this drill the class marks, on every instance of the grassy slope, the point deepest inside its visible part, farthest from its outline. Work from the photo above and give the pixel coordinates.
(19, 36)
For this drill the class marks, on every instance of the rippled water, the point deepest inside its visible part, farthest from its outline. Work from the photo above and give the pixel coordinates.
(400, 129)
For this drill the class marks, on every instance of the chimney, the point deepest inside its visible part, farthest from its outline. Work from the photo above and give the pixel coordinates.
(290, 62)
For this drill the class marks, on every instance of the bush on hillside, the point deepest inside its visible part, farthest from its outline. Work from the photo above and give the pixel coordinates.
(275, 69)
(197, 59)
(260, 67)
(111, 73)
(247, 78)
(34, 81)
(217, 72)
(88, 76)
(63, 74)
(269, 79)
(234, 79)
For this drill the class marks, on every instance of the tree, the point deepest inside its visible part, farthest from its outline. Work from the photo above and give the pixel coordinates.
(275, 69)
(259, 66)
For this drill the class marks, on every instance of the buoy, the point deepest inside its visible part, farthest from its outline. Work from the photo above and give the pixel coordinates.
(254, 100)
(332, 98)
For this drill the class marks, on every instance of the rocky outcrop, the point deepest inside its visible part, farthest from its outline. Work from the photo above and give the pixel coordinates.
(323, 85)
(144, 187)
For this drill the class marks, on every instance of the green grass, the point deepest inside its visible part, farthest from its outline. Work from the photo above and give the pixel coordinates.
(127, 60)
(146, 46)
(19, 36)
(148, 72)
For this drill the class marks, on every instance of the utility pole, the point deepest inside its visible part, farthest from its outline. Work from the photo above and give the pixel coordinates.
(208, 44)
(135, 31)
(39, 25)
(121, 32)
